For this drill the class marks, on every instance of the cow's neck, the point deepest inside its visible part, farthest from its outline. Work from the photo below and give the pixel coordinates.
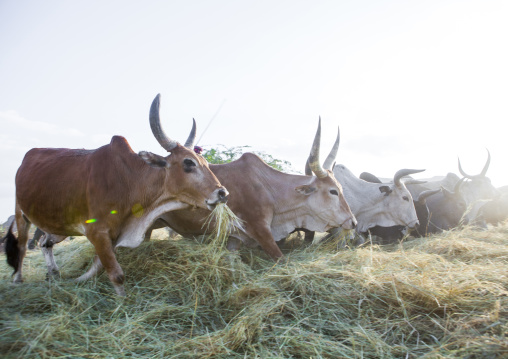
(134, 230)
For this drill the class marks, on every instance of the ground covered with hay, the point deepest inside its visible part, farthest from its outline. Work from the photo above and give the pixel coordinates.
(441, 297)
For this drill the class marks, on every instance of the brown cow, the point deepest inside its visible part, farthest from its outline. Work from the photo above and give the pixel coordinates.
(111, 194)
(272, 204)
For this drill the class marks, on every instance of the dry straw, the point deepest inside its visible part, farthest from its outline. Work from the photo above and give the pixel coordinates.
(220, 223)
(444, 296)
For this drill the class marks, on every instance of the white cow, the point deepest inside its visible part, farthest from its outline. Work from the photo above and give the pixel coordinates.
(373, 204)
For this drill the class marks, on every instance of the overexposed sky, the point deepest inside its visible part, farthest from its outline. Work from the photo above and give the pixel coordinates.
(412, 84)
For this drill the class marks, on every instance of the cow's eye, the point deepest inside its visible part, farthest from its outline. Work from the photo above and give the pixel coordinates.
(334, 192)
(405, 198)
(188, 165)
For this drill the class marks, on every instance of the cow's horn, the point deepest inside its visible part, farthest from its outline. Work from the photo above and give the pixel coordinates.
(327, 165)
(155, 123)
(425, 194)
(192, 136)
(482, 173)
(403, 172)
(308, 171)
(314, 164)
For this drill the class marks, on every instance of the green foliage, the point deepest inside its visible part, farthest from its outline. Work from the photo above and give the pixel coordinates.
(223, 154)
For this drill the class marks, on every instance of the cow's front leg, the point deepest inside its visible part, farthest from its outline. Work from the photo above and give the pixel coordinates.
(105, 251)
(263, 235)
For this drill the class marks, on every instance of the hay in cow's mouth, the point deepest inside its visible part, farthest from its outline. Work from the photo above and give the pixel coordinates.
(219, 224)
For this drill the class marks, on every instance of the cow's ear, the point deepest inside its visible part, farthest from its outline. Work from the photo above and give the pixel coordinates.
(305, 189)
(385, 189)
(153, 160)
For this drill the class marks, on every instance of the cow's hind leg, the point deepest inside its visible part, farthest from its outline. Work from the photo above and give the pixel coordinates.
(46, 243)
(104, 249)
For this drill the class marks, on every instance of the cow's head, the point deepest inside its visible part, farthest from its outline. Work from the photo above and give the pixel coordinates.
(325, 199)
(397, 203)
(448, 209)
(392, 203)
(477, 190)
(188, 176)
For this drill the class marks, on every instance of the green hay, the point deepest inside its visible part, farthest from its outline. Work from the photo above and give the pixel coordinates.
(440, 297)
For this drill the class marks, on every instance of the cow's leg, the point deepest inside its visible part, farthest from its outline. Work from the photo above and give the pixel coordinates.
(148, 235)
(93, 271)
(104, 249)
(37, 235)
(172, 234)
(264, 237)
(46, 243)
(309, 236)
(18, 248)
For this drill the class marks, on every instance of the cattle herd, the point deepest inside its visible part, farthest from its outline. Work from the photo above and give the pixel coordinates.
(115, 197)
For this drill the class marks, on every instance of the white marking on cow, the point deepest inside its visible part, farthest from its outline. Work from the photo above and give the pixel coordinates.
(133, 233)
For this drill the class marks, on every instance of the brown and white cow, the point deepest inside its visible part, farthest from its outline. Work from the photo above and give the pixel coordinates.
(271, 203)
(111, 194)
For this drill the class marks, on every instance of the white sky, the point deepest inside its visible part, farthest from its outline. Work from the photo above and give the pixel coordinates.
(412, 84)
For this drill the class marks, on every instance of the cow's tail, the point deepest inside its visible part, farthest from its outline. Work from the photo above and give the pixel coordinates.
(12, 249)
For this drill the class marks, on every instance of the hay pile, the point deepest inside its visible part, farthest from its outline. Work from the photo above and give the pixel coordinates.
(441, 297)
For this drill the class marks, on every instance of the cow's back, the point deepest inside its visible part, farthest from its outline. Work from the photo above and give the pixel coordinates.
(51, 184)
(55, 187)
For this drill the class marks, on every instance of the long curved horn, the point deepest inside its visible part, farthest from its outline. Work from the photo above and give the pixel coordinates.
(314, 164)
(192, 136)
(403, 172)
(482, 173)
(327, 165)
(487, 164)
(425, 194)
(155, 124)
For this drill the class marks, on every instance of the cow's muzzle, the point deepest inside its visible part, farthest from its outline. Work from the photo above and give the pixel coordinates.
(220, 195)
(350, 223)
(413, 225)
(223, 195)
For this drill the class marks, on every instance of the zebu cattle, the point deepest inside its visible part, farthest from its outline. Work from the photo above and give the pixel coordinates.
(477, 191)
(110, 194)
(446, 208)
(395, 233)
(272, 204)
(443, 210)
(374, 204)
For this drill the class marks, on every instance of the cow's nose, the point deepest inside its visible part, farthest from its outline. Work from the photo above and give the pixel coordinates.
(223, 195)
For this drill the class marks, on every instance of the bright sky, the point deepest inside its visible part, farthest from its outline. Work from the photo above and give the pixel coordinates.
(412, 84)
